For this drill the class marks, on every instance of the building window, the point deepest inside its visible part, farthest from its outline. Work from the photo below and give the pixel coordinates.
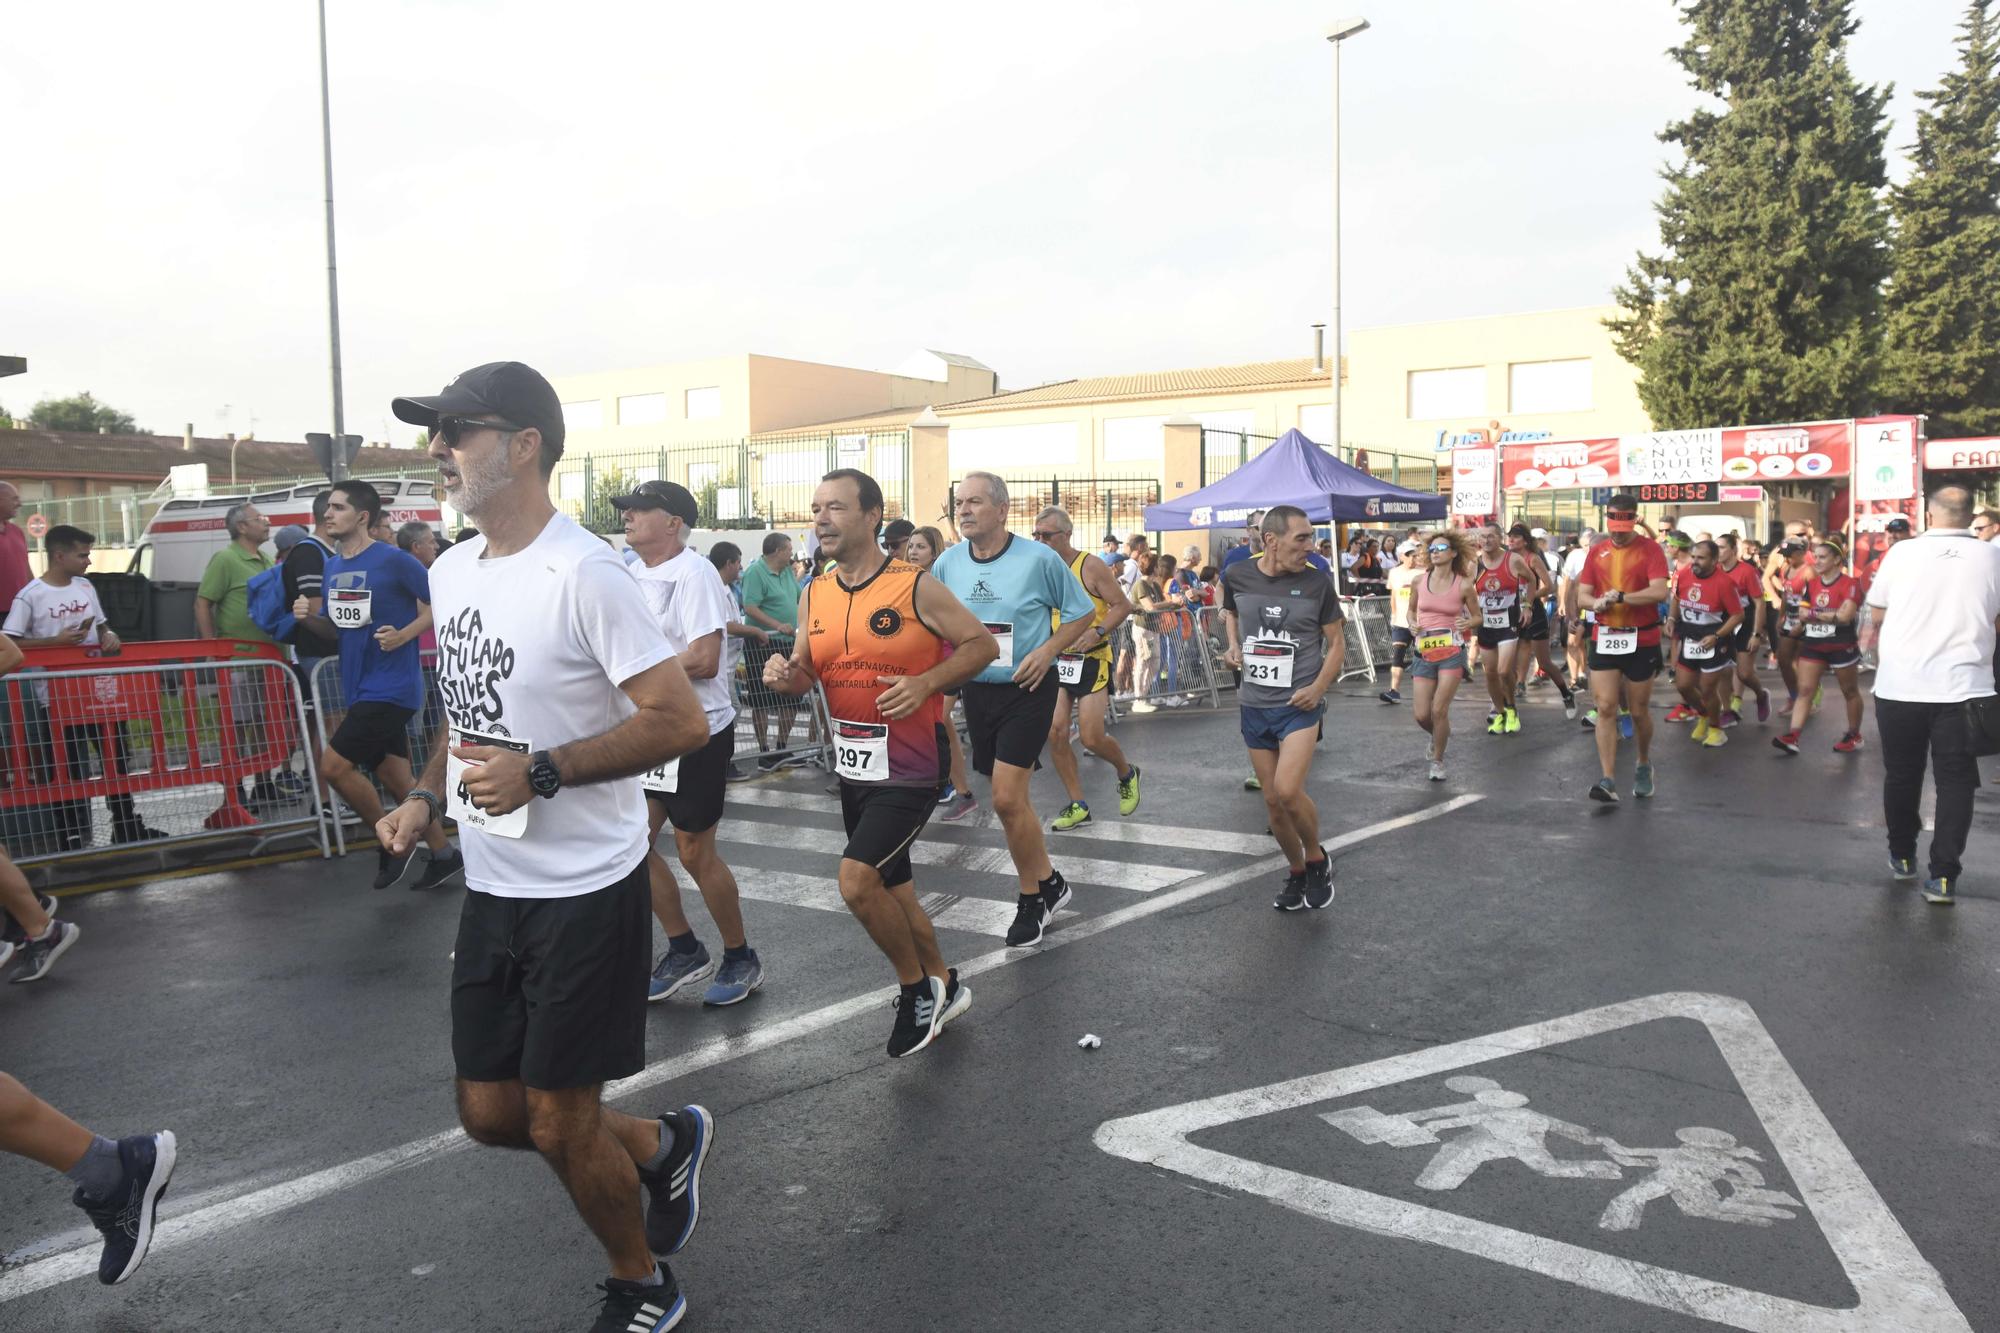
(642, 409)
(1549, 386)
(704, 404)
(584, 416)
(1459, 392)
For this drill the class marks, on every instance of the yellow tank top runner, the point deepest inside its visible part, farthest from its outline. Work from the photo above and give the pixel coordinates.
(1097, 609)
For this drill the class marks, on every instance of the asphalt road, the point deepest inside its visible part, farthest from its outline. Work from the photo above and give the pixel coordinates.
(1267, 1137)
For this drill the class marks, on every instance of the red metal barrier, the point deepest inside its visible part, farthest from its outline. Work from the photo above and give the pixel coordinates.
(100, 708)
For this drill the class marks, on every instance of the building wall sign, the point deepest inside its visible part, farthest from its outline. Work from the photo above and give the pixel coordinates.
(1740, 454)
(1472, 481)
(1982, 454)
(1491, 433)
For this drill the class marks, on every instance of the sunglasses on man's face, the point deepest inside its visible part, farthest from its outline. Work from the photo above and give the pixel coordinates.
(455, 429)
(1047, 534)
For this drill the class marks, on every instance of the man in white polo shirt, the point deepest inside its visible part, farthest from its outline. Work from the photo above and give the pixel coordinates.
(559, 689)
(1934, 604)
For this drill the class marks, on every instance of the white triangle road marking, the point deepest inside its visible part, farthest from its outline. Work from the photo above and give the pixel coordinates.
(1898, 1288)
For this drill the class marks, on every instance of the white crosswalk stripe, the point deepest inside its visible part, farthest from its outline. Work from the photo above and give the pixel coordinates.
(979, 916)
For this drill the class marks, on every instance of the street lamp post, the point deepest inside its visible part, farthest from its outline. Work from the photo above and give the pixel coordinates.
(1336, 34)
(338, 467)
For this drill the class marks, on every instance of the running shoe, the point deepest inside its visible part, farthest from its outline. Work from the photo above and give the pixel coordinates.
(673, 1192)
(634, 1307)
(1590, 720)
(390, 869)
(1252, 784)
(1903, 868)
(1789, 742)
(1716, 739)
(947, 795)
(1606, 791)
(1680, 713)
(1569, 706)
(1030, 917)
(1730, 717)
(1735, 704)
(735, 979)
(1144, 706)
(1437, 770)
(957, 998)
(1848, 744)
(1496, 724)
(1698, 730)
(677, 971)
(38, 956)
(126, 1215)
(1642, 780)
(919, 1015)
(1940, 891)
(1128, 792)
(1510, 722)
(1763, 708)
(962, 805)
(1625, 724)
(1319, 881)
(440, 870)
(1390, 696)
(1293, 895)
(12, 931)
(1074, 815)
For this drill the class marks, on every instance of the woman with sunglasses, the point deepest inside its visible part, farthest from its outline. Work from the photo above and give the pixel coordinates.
(1444, 608)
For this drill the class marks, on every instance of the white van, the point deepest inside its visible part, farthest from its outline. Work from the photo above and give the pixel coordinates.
(177, 543)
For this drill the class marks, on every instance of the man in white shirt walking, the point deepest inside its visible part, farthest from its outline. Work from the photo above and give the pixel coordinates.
(1934, 606)
(559, 690)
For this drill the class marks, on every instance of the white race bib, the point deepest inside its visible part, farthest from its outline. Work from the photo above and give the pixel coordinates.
(1820, 630)
(348, 608)
(1616, 642)
(1003, 634)
(1069, 668)
(861, 750)
(1497, 619)
(459, 801)
(1695, 650)
(1268, 662)
(666, 779)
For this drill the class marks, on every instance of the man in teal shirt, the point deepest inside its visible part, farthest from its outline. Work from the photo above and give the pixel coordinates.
(771, 603)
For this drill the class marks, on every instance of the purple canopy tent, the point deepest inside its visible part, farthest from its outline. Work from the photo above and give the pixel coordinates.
(1295, 471)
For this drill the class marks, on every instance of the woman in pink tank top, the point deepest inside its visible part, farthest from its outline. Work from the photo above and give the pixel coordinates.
(1442, 610)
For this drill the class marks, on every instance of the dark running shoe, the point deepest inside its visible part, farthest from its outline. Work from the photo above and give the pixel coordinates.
(1029, 918)
(13, 931)
(1940, 891)
(1292, 897)
(39, 956)
(440, 870)
(957, 998)
(919, 1015)
(390, 868)
(630, 1307)
(1903, 868)
(126, 1216)
(1606, 791)
(675, 1189)
(1319, 881)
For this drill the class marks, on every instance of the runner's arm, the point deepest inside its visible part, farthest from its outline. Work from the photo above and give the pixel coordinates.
(1100, 582)
(669, 723)
(1654, 593)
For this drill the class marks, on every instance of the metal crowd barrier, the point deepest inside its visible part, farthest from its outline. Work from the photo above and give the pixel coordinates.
(1367, 629)
(329, 705)
(1178, 666)
(151, 748)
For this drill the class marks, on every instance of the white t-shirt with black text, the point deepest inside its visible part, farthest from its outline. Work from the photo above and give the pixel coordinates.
(42, 611)
(688, 599)
(532, 650)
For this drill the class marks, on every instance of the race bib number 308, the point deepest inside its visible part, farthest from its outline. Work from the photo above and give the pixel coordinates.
(349, 608)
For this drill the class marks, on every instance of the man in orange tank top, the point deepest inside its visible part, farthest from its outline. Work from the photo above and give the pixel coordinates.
(875, 635)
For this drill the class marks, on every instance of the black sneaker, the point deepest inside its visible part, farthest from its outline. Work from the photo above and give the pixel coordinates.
(390, 869)
(38, 956)
(440, 870)
(1293, 896)
(630, 1307)
(957, 998)
(1058, 897)
(1606, 791)
(675, 1189)
(1903, 868)
(919, 1014)
(13, 932)
(126, 1215)
(1940, 891)
(1029, 918)
(1319, 881)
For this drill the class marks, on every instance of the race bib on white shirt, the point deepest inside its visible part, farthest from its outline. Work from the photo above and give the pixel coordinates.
(1268, 662)
(1820, 630)
(666, 779)
(1616, 642)
(861, 750)
(459, 801)
(1497, 613)
(1069, 669)
(1696, 650)
(349, 608)
(1003, 634)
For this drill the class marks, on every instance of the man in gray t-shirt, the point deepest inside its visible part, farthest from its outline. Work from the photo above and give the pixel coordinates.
(1281, 621)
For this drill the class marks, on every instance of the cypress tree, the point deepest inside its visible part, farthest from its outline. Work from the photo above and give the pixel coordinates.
(1942, 353)
(1764, 303)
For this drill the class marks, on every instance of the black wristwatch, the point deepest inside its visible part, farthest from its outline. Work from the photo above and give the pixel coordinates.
(542, 774)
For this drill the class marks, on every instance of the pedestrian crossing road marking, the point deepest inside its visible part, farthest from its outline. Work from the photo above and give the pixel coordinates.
(1897, 1288)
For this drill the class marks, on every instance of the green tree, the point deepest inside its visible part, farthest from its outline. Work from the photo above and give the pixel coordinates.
(1763, 304)
(1942, 326)
(82, 412)
(599, 514)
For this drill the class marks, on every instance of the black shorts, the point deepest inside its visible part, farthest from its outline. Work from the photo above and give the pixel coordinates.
(695, 804)
(1723, 660)
(371, 731)
(552, 991)
(1096, 676)
(1400, 643)
(882, 822)
(1538, 626)
(1835, 655)
(1642, 664)
(1007, 723)
(1492, 638)
(1743, 634)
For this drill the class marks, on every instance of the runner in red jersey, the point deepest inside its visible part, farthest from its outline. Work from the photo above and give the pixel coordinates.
(1506, 588)
(1829, 605)
(1788, 568)
(1750, 634)
(1624, 581)
(1707, 610)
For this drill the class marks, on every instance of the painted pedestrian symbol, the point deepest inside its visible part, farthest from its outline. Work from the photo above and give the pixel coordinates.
(1690, 1176)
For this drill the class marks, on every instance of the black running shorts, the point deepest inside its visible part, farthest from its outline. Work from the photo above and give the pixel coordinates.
(1007, 723)
(695, 804)
(882, 822)
(1538, 626)
(1490, 639)
(371, 731)
(1096, 676)
(552, 991)
(1639, 665)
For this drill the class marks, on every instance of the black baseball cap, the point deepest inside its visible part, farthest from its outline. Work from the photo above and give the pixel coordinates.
(1899, 525)
(506, 389)
(899, 530)
(676, 500)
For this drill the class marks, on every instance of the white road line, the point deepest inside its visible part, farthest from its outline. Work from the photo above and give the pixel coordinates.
(960, 856)
(980, 916)
(1136, 831)
(175, 1231)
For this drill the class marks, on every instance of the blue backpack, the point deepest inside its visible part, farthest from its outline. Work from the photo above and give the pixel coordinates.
(267, 604)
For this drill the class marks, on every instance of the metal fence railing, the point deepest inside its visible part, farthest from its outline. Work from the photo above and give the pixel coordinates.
(1097, 506)
(1175, 660)
(1367, 625)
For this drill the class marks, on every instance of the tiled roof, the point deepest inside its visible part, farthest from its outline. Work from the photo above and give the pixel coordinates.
(1296, 373)
(55, 453)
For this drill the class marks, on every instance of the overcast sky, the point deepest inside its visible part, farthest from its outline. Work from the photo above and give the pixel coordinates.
(1058, 189)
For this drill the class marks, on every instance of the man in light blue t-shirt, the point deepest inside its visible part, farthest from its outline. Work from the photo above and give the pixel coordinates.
(1035, 608)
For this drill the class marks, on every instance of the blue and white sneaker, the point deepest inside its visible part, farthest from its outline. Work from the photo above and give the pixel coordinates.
(677, 971)
(674, 1206)
(948, 795)
(126, 1215)
(630, 1307)
(735, 979)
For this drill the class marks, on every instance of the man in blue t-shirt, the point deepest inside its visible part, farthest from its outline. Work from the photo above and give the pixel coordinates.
(1035, 608)
(376, 599)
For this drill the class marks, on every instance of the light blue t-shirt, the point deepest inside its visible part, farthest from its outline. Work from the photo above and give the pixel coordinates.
(1013, 592)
